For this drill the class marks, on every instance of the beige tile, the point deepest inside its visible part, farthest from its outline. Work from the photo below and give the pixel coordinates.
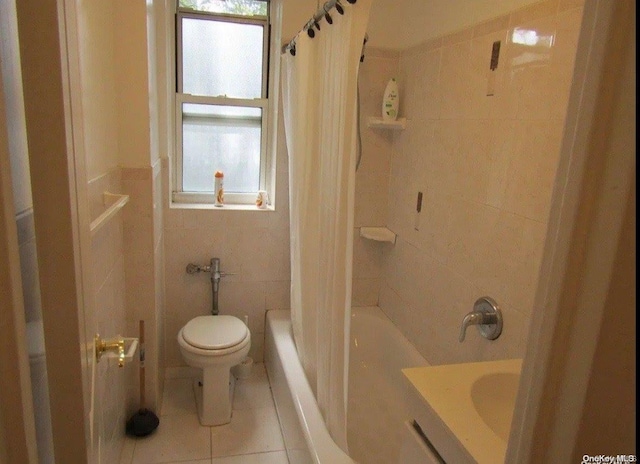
(570, 4)
(253, 392)
(278, 295)
(277, 255)
(563, 59)
(257, 347)
(532, 169)
(178, 397)
(276, 457)
(421, 95)
(532, 12)
(136, 174)
(435, 223)
(244, 298)
(250, 431)
(423, 47)
(371, 199)
(366, 258)
(503, 145)
(365, 292)
(247, 219)
(457, 37)
(392, 305)
(204, 219)
(491, 26)
(199, 461)
(481, 105)
(454, 79)
(249, 248)
(373, 52)
(178, 438)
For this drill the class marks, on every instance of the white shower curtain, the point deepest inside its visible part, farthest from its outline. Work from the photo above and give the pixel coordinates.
(319, 97)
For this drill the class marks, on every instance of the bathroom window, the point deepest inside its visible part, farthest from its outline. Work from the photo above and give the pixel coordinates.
(222, 105)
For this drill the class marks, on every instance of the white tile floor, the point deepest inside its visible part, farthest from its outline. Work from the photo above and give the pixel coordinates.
(252, 437)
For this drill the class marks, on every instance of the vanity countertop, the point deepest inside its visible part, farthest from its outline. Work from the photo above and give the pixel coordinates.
(471, 403)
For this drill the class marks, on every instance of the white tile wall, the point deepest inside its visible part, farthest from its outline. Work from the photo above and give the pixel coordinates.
(485, 165)
(108, 319)
(253, 245)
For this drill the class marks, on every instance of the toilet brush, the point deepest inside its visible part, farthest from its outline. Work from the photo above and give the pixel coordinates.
(143, 422)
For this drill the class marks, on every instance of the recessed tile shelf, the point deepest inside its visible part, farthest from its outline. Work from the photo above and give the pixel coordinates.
(379, 234)
(379, 123)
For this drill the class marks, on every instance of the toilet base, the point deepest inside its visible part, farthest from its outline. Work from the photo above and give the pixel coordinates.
(214, 396)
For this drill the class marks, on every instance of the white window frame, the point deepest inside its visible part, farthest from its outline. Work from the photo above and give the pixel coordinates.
(265, 104)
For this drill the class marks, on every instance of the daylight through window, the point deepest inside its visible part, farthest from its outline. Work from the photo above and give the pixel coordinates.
(221, 98)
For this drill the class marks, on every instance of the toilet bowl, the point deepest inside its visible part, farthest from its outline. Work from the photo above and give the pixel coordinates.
(214, 344)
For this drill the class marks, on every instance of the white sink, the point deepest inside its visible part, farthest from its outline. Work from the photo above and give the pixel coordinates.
(467, 408)
(494, 396)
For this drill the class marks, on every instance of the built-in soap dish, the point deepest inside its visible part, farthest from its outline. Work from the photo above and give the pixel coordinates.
(393, 124)
(378, 234)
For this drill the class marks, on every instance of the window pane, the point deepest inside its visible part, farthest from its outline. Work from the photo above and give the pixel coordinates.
(235, 7)
(221, 138)
(222, 58)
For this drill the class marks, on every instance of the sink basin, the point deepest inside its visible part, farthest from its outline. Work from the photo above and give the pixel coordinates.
(493, 397)
(466, 409)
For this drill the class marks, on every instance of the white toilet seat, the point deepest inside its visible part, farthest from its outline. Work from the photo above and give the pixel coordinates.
(214, 332)
(213, 336)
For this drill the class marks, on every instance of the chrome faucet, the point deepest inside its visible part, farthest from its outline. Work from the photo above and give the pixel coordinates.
(216, 274)
(487, 316)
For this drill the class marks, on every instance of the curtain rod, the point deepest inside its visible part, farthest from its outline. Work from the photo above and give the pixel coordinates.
(322, 12)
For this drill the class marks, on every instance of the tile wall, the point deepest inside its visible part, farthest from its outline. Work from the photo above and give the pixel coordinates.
(144, 254)
(486, 166)
(126, 257)
(109, 316)
(253, 245)
(372, 176)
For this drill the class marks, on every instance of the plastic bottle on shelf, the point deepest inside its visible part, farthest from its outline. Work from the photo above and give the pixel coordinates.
(390, 101)
(218, 188)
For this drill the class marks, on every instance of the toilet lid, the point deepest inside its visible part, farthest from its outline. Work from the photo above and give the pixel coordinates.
(214, 332)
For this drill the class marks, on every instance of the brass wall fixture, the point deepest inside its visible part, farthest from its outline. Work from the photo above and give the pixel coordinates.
(113, 345)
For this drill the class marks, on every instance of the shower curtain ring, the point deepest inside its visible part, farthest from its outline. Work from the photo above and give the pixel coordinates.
(327, 16)
(351, 1)
(340, 8)
(292, 49)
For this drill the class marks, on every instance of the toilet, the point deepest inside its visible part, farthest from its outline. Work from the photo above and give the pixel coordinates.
(214, 344)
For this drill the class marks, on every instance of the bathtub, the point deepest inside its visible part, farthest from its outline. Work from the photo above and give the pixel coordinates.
(376, 408)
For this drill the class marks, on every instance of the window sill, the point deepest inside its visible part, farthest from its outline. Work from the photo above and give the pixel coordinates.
(228, 207)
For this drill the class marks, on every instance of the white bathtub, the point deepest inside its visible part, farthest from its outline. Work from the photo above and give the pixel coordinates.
(376, 406)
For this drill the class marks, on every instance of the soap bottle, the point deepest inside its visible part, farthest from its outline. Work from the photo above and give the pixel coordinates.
(218, 188)
(390, 101)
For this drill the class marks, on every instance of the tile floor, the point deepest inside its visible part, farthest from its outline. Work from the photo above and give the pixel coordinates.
(252, 437)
